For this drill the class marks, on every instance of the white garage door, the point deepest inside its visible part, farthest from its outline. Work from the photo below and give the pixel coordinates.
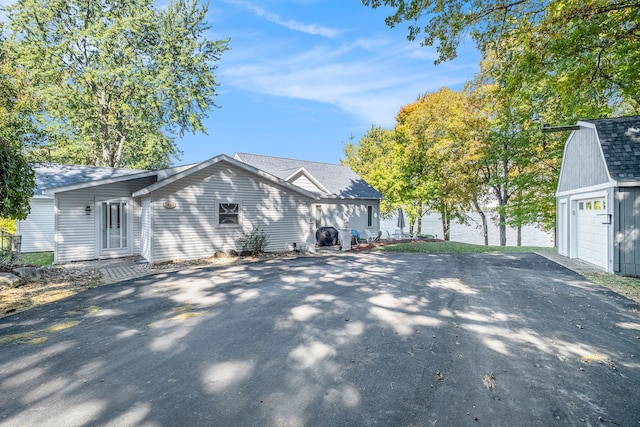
(592, 233)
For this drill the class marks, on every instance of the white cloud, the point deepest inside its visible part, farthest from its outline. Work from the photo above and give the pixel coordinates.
(291, 24)
(370, 85)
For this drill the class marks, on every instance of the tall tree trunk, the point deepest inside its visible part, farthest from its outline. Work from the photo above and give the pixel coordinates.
(420, 223)
(503, 198)
(519, 236)
(104, 128)
(502, 226)
(446, 222)
(483, 216)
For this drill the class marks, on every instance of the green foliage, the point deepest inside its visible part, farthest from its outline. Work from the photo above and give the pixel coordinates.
(118, 80)
(571, 46)
(253, 243)
(17, 182)
(375, 158)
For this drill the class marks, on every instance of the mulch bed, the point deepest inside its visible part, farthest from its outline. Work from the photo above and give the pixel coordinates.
(368, 246)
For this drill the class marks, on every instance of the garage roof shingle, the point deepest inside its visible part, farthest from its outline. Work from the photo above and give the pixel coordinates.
(620, 141)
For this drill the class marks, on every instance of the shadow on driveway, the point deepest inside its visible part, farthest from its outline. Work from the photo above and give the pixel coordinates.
(351, 339)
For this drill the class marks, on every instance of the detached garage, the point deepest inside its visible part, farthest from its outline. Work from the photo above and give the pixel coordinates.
(598, 197)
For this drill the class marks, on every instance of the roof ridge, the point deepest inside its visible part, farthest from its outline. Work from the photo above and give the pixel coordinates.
(611, 118)
(52, 164)
(289, 158)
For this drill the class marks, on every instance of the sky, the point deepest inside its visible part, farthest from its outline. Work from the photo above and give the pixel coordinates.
(303, 78)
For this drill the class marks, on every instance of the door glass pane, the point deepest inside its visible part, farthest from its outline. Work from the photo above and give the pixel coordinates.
(123, 225)
(114, 225)
(105, 224)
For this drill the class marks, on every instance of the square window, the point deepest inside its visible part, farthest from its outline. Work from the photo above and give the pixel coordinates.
(228, 213)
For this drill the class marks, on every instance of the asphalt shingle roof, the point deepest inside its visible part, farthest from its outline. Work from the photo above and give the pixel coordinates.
(340, 180)
(51, 175)
(620, 141)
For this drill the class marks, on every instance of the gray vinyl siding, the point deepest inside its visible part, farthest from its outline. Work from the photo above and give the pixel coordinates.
(37, 229)
(305, 183)
(627, 239)
(190, 230)
(76, 231)
(338, 213)
(584, 165)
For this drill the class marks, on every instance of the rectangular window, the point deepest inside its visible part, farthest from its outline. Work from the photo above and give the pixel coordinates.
(369, 216)
(581, 206)
(228, 213)
(596, 205)
(588, 206)
(318, 216)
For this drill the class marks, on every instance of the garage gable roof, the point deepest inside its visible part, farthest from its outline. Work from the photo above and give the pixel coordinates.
(620, 142)
(338, 180)
(217, 159)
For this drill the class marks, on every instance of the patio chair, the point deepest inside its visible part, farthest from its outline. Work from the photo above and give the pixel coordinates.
(371, 237)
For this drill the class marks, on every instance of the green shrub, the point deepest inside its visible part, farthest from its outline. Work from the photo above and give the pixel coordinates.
(253, 243)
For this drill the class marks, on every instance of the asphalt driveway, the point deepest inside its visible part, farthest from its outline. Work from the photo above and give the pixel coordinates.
(344, 340)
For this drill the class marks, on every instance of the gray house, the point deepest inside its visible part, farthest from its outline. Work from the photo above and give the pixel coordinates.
(598, 196)
(345, 200)
(186, 212)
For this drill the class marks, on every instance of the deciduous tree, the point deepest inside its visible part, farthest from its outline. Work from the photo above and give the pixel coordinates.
(573, 45)
(16, 107)
(119, 79)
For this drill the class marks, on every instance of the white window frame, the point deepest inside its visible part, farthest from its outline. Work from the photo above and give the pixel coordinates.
(218, 214)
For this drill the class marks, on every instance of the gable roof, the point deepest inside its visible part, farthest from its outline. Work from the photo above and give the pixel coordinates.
(340, 181)
(52, 178)
(620, 142)
(51, 175)
(217, 159)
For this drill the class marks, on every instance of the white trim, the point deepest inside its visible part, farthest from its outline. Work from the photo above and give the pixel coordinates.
(563, 227)
(149, 227)
(56, 215)
(303, 171)
(240, 215)
(227, 159)
(578, 191)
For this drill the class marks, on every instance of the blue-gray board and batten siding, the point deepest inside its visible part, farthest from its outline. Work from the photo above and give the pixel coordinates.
(586, 166)
(627, 242)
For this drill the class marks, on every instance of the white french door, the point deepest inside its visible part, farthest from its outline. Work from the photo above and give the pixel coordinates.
(115, 227)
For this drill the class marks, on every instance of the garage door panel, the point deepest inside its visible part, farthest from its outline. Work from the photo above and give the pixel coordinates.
(591, 232)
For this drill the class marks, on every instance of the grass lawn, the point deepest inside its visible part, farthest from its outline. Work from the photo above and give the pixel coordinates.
(435, 247)
(37, 258)
(627, 286)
